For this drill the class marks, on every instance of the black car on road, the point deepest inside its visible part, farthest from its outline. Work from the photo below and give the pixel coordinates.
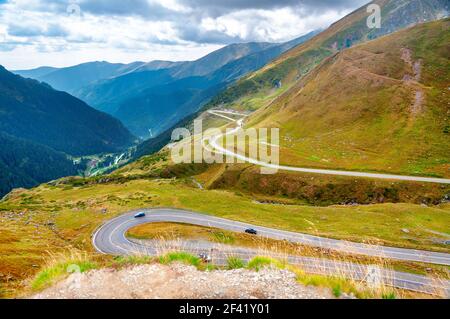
(251, 231)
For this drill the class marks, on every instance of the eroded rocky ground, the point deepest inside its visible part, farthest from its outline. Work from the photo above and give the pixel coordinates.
(178, 281)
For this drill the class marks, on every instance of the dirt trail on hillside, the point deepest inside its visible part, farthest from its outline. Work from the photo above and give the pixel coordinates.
(180, 282)
(412, 80)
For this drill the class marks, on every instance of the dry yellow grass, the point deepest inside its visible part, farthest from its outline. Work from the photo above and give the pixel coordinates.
(178, 233)
(355, 110)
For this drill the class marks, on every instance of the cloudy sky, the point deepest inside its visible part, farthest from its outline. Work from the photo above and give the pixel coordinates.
(67, 32)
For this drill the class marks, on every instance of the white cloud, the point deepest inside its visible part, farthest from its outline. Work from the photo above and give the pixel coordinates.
(264, 25)
(41, 32)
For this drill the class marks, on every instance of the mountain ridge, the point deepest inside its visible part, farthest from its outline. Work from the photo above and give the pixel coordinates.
(26, 164)
(378, 106)
(40, 128)
(349, 31)
(35, 111)
(121, 96)
(114, 88)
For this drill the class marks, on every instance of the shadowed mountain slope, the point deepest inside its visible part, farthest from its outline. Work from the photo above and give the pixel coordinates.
(34, 111)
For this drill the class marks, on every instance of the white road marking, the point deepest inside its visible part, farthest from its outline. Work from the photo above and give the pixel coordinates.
(219, 149)
(320, 266)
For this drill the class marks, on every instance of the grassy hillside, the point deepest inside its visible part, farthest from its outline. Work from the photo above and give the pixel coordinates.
(253, 91)
(380, 106)
(157, 99)
(40, 127)
(65, 214)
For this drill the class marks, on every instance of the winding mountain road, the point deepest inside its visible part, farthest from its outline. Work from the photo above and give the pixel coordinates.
(111, 239)
(216, 147)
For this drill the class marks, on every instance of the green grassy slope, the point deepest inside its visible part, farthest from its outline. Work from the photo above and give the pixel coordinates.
(261, 87)
(372, 107)
(64, 215)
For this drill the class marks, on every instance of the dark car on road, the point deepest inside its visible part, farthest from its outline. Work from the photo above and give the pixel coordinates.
(251, 231)
(139, 215)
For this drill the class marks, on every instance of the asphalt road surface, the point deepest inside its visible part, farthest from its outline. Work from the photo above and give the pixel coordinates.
(215, 146)
(110, 239)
